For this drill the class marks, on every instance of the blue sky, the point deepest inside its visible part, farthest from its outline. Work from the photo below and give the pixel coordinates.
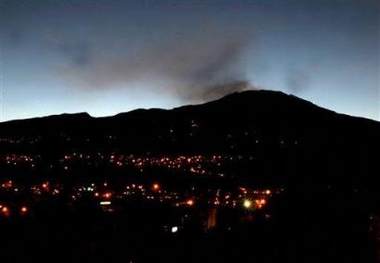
(106, 57)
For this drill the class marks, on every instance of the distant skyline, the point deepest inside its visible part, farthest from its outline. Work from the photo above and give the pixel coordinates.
(104, 57)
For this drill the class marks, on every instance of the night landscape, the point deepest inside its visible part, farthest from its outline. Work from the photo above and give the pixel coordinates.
(170, 131)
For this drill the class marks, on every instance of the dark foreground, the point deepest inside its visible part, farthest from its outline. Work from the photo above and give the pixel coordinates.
(296, 231)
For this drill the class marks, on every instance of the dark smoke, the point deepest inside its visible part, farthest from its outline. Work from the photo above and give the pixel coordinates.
(219, 90)
(195, 66)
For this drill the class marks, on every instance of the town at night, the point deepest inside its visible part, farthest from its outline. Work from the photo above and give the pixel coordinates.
(139, 131)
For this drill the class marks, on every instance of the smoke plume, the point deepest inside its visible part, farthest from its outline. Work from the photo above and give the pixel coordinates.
(196, 66)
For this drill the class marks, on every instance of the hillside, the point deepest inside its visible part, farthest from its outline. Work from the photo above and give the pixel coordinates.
(287, 139)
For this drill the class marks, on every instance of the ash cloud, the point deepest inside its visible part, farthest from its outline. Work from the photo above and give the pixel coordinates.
(216, 91)
(195, 66)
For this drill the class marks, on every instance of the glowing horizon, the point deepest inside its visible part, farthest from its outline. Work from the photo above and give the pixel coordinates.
(106, 57)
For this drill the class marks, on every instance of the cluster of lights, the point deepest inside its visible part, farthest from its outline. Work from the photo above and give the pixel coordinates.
(195, 164)
(19, 159)
(254, 204)
(5, 210)
(18, 140)
(104, 194)
(251, 198)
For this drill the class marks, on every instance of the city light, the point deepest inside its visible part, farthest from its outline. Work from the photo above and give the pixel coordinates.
(5, 211)
(24, 210)
(174, 229)
(107, 195)
(247, 204)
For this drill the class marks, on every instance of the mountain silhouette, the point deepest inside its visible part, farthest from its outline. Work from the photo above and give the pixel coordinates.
(288, 138)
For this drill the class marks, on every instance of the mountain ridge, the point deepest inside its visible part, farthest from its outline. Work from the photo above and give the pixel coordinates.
(262, 115)
(229, 97)
(283, 137)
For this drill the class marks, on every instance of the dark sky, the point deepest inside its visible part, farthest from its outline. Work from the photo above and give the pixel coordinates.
(106, 57)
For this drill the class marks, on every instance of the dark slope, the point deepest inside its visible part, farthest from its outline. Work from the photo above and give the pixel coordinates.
(275, 112)
(287, 136)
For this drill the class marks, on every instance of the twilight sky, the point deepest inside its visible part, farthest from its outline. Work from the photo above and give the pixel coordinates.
(106, 57)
